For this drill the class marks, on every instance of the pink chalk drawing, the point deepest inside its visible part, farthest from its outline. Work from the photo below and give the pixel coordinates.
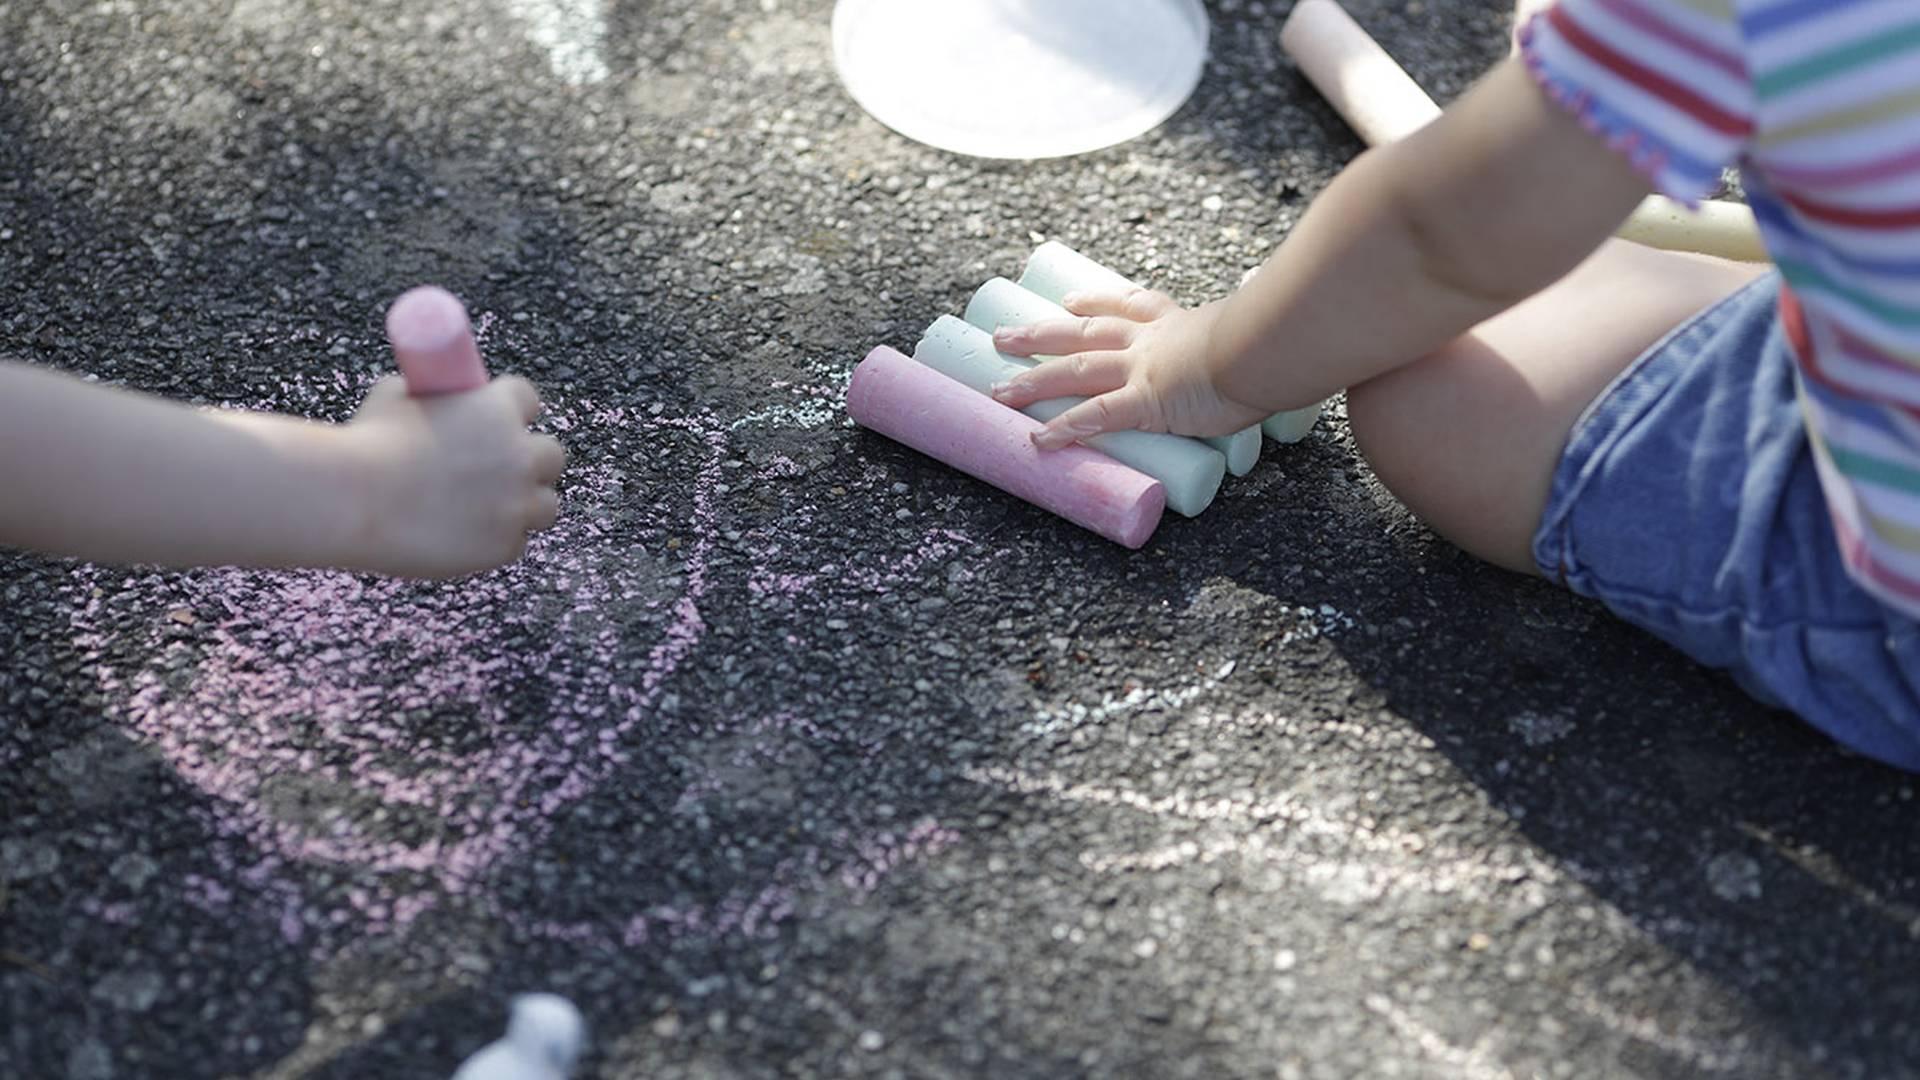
(405, 741)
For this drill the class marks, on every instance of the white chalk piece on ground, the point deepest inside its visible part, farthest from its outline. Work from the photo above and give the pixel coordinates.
(545, 1035)
(1190, 470)
(1020, 78)
(1055, 270)
(1382, 103)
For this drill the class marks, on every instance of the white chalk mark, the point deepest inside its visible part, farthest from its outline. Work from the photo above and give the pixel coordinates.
(1540, 729)
(1822, 868)
(1046, 721)
(1241, 806)
(571, 31)
(1727, 1058)
(817, 403)
(1469, 1063)
(1311, 623)
(1346, 862)
(806, 416)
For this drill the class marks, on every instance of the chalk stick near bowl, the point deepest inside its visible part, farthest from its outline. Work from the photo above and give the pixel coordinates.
(433, 342)
(1055, 270)
(1382, 103)
(917, 406)
(1190, 470)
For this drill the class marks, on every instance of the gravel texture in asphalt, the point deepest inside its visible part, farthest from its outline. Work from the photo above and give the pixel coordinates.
(789, 752)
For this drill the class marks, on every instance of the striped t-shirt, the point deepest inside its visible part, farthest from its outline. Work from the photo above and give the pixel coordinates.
(1818, 103)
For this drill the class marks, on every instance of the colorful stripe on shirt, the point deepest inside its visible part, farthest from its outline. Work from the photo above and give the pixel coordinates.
(1818, 103)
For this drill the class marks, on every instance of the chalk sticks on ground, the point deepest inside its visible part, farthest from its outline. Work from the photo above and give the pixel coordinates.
(1190, 470)
(433, 342)
(939, 402)
(914, 404)
(1002, 303)
(1055, 270)
(1383, 104)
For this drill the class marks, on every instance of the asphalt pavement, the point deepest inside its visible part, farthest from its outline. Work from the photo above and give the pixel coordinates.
(789, 752)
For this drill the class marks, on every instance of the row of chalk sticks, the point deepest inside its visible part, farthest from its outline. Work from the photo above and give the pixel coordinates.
(1118, 484)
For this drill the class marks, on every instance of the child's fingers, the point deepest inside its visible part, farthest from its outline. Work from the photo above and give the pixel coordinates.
(1061, 337)
(1122, 410)
(1079, 375)
(389, 388)
(526, 400)
(543, 510)
(549, 460)
(1134, 305)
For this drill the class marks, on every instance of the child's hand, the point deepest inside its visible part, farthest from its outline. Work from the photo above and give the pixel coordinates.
(1140, 359)
(453, 483)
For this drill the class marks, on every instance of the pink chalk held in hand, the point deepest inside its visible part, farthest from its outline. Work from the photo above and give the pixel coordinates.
(433, 342)
(911, 403)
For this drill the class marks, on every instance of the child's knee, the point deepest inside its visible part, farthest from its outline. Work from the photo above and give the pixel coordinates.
(1378, 416)
(1422, 430)
(1389, 424)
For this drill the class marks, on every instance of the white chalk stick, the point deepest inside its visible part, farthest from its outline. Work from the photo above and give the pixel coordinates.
(1190, 470)
(1053, 271)
(1002, 303)
(1242, 449)
(1291, 427)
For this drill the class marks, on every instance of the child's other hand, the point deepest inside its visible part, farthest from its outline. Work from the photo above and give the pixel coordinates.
(1140, 359)
(452, 483)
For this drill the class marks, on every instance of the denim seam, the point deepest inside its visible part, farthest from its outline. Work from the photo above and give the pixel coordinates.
(1637, 596)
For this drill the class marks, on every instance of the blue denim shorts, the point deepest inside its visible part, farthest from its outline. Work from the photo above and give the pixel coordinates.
(1686, 502)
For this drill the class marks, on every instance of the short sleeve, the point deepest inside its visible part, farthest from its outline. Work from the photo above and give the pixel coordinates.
(1665, 82)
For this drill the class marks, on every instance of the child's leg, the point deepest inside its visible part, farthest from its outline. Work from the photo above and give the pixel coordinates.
(1469, 437)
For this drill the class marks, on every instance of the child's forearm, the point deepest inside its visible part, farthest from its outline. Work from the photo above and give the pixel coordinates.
(1350, 295)
(109, 475)
(1419, 241)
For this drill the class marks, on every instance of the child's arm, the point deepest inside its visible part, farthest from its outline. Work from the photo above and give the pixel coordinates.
(430, 488)
(1411, 246)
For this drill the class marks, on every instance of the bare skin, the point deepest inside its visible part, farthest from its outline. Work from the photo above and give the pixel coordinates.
(422, 488)
(1469, 436)
(1459, 283)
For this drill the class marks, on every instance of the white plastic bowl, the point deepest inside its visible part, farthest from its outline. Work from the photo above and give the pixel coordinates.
(1020, 78)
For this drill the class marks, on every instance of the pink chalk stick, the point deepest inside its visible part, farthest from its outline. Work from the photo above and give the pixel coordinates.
(433, 342)
(911, 403)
